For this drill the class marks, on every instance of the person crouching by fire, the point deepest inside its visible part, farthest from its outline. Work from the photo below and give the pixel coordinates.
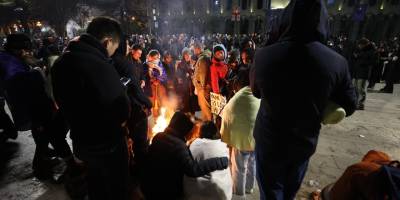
(169, 159)
(156, 78)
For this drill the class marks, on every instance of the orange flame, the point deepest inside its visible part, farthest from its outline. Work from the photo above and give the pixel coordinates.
(161, 122)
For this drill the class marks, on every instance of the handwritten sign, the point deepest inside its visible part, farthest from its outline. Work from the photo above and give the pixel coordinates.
(218, 102)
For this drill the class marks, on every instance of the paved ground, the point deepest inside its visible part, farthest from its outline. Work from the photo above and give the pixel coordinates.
(378, 127)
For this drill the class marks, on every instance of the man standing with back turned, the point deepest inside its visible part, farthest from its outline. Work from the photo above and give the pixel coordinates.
(295, 78)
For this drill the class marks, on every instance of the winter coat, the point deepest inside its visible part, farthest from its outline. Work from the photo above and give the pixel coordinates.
(88, 90)
(392, 69)
(363, 180)
(138, 100)
(218, 72)
(25, 92)
(138, 70)
(151, 75)
(201, 77)
(238, 120)
(364, 62)
(125, 68)
(295, 78)
(168, 160)
(216, 185)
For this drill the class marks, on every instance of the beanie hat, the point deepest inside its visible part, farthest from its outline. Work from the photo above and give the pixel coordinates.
(186, 50)
(220, 47)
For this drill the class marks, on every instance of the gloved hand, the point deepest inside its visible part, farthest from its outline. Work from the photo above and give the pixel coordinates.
(223, 163)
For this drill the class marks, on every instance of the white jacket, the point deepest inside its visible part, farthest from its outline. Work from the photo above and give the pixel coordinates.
(218, 184)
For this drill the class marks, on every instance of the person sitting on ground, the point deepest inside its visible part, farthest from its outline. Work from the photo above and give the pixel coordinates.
(216, 185)
(169, 159)
(375, 177)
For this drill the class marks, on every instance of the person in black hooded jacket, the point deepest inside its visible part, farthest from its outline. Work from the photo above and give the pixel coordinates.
(88, 90)
(140, 103)
(169, 158)
(365, 59)
(295, 78)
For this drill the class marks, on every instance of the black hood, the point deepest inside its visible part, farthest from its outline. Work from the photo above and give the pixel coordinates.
(306, 21)
(180, 125)
(88, 44)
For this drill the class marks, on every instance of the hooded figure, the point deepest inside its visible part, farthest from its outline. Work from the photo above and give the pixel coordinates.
(295, 78)
(169, 159)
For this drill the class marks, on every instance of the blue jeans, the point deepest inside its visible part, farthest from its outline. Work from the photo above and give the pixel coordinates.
(243, 171)
(278, 178)
(361, 87)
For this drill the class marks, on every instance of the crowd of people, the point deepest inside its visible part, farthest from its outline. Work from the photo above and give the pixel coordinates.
(103, 86)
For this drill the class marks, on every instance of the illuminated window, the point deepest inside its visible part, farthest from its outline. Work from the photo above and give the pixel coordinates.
(279, 4)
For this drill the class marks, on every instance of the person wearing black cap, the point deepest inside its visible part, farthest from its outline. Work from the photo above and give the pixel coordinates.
(31, 106)
(169, 159)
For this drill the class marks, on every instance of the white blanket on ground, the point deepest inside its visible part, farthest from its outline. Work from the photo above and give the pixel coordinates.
(218, 184)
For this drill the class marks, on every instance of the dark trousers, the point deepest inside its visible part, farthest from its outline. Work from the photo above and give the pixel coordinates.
(278, 178)
(58, 132)
(6, 124)
(108, 174)
(140, 139)
(54, 132)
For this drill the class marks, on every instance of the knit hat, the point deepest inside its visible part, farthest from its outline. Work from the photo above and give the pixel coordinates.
(181, 124)
(18, 41)
(186, 50)
(220, 47)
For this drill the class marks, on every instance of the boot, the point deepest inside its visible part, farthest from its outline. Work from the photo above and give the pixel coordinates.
(43, 166)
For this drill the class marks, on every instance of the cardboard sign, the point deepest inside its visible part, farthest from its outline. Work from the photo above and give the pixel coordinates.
(218, 102)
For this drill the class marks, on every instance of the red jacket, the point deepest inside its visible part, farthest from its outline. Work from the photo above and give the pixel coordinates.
(218, 71)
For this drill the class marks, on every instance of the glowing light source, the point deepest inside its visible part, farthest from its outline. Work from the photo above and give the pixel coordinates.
(279, 4)
(161, 122)
(38, 24)
(133, 18)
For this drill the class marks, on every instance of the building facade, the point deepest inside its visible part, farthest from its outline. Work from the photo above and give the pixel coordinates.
(375, 19)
